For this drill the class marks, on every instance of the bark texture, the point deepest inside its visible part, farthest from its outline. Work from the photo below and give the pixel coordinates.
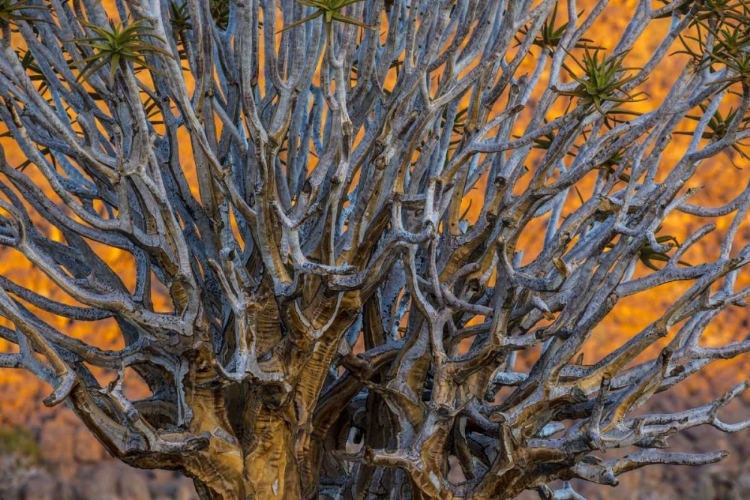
(368, 242)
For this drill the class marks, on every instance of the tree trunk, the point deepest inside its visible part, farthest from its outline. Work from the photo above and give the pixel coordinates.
(269, 471)
(262, 443)
(250, 457)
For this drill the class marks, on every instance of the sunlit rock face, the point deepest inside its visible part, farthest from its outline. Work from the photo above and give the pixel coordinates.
(68, 453)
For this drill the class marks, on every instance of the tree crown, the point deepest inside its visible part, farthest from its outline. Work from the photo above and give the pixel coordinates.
(298, 178)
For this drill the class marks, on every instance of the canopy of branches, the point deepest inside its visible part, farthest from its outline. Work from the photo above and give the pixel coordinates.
(294, 177)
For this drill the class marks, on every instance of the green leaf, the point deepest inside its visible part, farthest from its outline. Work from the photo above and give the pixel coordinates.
(302, 21)
(329, 9)
(116, 45)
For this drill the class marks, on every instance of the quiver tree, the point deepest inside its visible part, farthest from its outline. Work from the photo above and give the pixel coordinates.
(294, 177)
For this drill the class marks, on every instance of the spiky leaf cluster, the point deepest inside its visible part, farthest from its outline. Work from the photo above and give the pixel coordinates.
(550, 35)
(11, 11)
(602, 79)
(329, 10)
(118, 45)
